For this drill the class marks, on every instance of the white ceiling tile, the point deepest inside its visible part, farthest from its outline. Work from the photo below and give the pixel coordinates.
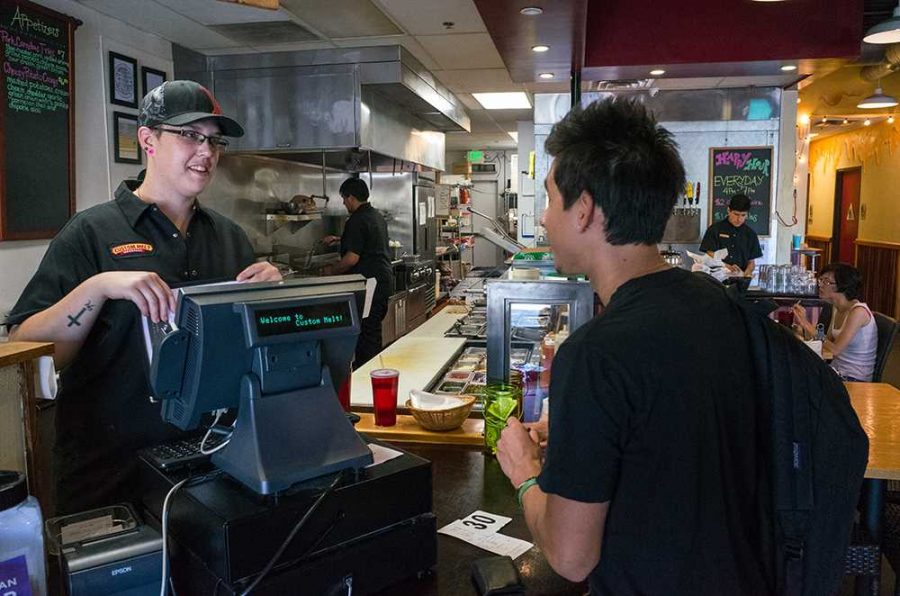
(416, 20)
(465, 50)
(342, 18)
(477, 80)
(155, 18)
(223, 13)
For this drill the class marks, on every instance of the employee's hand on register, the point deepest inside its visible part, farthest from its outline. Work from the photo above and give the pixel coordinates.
(146, 289)
(331, 240)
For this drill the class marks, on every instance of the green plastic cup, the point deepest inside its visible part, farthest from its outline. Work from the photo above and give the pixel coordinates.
(500, 402)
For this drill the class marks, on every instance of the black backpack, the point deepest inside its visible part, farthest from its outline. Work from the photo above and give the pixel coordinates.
(817, 459)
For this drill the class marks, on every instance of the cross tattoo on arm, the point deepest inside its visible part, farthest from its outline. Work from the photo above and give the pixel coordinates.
(73, 320)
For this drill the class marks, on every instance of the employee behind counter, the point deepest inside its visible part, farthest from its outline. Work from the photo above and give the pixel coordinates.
(113, 263)
(734, 234)
(364, 250)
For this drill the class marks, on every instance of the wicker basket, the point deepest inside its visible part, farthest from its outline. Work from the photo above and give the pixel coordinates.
(443, 419)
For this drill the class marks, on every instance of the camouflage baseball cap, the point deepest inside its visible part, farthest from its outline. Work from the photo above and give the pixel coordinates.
(182, 102)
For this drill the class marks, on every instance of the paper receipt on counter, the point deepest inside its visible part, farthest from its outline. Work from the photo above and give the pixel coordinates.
(481, 529)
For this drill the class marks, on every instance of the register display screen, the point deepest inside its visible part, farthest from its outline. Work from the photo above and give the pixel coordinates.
(303, 317)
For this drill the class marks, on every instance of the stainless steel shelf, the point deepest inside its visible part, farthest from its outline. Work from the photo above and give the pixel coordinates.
(285, 217)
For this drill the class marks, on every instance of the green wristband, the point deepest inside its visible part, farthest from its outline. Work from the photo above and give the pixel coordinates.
(523, 488)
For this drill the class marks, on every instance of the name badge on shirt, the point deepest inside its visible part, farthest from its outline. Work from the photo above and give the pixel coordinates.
(131, 249)
(721, 235)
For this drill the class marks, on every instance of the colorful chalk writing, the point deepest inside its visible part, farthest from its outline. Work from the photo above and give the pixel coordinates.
(35, 119)
(742, 170)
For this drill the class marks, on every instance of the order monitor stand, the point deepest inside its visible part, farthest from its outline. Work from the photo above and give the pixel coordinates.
(283, 438)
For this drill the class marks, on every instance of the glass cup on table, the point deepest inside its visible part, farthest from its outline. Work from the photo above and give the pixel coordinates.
(384, 395)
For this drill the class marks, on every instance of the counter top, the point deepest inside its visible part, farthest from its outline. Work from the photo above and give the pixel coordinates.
(419, 356)
(14, 352)
(407, 430)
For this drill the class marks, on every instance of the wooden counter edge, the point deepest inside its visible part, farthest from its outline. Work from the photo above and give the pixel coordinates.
(407, 430)
(15, 352)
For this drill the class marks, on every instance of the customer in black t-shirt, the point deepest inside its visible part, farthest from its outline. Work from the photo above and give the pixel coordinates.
(364, 250)
(734, 234)
(652, 482)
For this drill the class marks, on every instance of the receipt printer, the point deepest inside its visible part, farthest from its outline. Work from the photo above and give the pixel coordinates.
(106, 551)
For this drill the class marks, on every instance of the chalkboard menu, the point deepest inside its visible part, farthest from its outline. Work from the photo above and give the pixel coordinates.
(746, 171)
(37, 173)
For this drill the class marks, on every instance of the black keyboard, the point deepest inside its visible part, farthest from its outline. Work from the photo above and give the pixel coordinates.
(183, 453)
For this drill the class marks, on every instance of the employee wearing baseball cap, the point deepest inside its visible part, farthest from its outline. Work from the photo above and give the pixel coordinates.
(113, 263)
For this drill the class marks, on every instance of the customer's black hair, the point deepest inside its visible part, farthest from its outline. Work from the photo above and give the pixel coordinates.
(739, 203)
(355, 187)
(615, 150)
(847, 279)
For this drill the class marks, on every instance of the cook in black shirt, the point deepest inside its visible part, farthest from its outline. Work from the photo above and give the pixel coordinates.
(364, 250)
(111, 264)
(734, 234)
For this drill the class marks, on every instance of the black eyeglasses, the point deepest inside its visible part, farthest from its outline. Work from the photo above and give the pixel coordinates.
(825, 282)
(216, 142)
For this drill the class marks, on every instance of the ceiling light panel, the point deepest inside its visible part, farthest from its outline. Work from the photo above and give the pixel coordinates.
(503, 101)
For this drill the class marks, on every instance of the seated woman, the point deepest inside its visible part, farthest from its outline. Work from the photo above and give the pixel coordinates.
(852, 336)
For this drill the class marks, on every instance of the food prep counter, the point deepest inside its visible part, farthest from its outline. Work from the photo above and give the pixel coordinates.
(420, 356)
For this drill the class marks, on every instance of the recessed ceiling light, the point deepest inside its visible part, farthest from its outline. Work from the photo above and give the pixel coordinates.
(788, 67)
(867, 122)
(539, 48)
(546, 75)
(657, 72)
(513, 100)
(531, 11)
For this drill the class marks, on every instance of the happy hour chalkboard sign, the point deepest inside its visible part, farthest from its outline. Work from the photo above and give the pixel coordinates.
(741, 170)
(37, 174)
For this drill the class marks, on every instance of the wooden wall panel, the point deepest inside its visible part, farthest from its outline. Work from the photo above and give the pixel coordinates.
(878, 262)
(824, 244)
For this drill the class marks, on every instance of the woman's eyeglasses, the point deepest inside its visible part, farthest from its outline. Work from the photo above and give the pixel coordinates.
(825, 282)
(216, 142)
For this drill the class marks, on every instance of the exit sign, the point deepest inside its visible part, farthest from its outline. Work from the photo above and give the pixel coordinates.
(475, 156)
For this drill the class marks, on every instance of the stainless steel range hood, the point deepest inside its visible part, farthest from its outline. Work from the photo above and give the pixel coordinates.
(356, 109)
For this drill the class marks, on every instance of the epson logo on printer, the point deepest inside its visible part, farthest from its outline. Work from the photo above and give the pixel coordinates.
(121, 570)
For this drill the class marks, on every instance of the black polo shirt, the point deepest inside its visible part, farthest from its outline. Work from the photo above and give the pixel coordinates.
(742, 243)
(103, 412)
(365, 234)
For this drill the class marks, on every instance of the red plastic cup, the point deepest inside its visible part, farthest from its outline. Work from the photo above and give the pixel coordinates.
(344, 393)
(785, 316)
(384, 395)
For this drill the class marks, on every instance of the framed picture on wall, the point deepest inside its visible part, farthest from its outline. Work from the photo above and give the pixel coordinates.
(151, 79)
(123, 80)
(125, 141)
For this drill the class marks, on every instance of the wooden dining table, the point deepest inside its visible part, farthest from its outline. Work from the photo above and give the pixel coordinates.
(878, 407)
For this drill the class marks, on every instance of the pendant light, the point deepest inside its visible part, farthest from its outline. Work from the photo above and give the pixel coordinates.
(887, 31)
(877, 101)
